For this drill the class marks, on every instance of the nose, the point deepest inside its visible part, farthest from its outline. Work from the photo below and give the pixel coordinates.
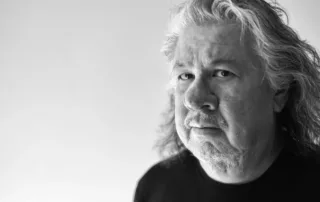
(199, 96)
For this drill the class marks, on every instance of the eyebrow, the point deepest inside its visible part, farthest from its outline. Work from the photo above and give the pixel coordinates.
(221, 58)
(215, 62)
(220, 61)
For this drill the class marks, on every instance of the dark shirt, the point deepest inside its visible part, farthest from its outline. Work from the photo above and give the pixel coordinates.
(181, 178)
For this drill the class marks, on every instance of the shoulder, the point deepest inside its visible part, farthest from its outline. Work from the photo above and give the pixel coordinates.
(160, 177)
(308, 175)
(169, 167)
(311, 178)
(312, 167)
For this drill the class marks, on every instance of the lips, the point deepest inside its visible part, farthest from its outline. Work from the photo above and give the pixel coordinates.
(206, 130)
(203, 125)
(204, 121)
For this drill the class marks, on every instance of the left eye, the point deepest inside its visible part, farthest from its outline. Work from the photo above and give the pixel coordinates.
(222, 73)
(185, 76)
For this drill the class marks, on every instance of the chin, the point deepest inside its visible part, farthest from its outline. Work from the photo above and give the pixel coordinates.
(220, 162)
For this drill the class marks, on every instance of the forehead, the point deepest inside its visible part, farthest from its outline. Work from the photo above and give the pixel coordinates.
(210, 42)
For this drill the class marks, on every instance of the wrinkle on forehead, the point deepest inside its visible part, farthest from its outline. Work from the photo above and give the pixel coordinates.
(207, 54)
(197, 44)
(223, 34)
(217, 51)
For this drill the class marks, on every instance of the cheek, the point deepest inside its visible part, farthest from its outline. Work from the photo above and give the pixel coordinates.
(180, 109)
(180, 114)
(234, 112)
(247, 113)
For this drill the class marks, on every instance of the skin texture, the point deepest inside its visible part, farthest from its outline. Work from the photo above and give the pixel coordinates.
(224, 108)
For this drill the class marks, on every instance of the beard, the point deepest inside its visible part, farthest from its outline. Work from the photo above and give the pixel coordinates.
(221, 159)
(214, 150)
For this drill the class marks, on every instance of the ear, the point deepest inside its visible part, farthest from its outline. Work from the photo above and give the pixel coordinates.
(279, 100)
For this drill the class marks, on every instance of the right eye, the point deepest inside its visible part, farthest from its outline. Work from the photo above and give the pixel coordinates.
(185, 76)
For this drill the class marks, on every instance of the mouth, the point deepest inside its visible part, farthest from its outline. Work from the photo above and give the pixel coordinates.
(203, 125)
(206, 131)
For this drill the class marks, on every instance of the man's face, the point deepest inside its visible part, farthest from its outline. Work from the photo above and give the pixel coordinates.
(223, 105)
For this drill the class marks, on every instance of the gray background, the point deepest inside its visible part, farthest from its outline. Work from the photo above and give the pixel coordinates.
(82, 84)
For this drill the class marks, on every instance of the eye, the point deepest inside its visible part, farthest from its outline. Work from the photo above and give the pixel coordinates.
(185, 76)
(222, 73)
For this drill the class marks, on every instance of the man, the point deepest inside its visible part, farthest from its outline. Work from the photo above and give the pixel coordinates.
(244, 118)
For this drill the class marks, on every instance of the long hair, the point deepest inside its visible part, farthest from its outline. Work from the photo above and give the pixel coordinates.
(290, 64)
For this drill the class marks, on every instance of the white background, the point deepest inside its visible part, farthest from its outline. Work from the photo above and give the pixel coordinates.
(82, 84)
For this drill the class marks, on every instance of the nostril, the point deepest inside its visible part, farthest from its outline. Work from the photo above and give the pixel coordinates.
(198, 97)
(192, 104)
(208, 106)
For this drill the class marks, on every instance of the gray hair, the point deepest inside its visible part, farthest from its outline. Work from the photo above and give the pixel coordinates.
(290, 64)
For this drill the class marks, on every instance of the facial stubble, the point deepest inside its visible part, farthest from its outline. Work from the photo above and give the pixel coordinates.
(218, 156)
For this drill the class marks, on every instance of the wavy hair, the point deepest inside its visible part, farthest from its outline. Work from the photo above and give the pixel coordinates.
(290, 64)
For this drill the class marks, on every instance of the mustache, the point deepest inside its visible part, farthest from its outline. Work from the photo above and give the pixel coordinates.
(207, 120)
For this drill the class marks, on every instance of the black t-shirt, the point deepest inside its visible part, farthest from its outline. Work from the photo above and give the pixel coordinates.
(182, 179)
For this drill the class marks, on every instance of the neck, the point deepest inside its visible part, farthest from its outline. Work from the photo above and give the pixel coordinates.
(252, 165)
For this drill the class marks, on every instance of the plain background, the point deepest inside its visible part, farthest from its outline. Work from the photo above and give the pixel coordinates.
(82, 85)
